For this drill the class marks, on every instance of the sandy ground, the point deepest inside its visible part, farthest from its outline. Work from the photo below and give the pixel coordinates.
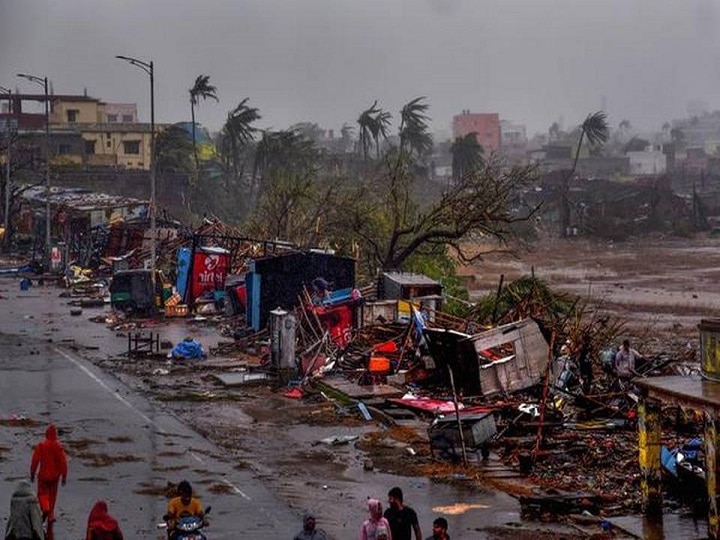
(659, 286)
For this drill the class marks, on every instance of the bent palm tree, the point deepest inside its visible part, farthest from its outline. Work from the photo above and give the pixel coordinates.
(367, 127)
(201, 89)
(595, 130)
(238, 131)
(414, 128)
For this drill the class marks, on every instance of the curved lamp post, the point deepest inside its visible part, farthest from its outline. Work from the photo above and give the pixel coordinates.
(148, 68)
(6, 234)
(43, 81)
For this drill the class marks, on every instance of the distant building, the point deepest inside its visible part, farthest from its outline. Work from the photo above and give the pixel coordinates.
(486, 127)
(650, 161)
(513, 139)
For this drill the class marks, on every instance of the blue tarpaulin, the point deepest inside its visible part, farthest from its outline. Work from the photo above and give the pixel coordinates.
(188, 348)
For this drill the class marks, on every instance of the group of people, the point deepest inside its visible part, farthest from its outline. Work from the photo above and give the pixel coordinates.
(398, 522)
(28, 511)
(574, 366)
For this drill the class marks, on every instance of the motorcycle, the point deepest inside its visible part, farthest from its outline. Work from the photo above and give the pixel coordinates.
(187, 528)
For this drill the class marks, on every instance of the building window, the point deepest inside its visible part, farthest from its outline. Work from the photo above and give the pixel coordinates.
(131, 147)
(109, 144)
(107, 135)
(127, 117)
(112, 118)
(89, 147)
(63, 149)
(72, 115)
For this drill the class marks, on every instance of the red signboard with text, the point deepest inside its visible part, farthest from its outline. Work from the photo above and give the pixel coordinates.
(210, 267)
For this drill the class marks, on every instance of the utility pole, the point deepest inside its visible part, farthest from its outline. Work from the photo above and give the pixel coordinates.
(43, 81)
(6, 234)
(148, 67)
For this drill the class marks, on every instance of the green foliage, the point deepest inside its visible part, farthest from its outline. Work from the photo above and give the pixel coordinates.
(524, 297)
(390, 226)
(467, 155)
(173, 151)
(441, 267)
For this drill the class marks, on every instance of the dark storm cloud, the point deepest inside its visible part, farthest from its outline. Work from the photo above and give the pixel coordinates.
(533, 61)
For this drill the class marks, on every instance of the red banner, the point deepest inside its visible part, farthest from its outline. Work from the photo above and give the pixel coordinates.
(209, 270)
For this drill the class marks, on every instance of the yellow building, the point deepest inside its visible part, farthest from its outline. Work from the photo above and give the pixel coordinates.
(111, 133)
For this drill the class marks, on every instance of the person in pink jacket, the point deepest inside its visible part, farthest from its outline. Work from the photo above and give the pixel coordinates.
(375, 525)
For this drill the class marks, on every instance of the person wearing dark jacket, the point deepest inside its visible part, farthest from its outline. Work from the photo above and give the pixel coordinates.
(101, 525)
(25, 521)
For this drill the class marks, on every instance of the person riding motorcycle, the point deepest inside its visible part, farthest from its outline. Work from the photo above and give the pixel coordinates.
(184, 505)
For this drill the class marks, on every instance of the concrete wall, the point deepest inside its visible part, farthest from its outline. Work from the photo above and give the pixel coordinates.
(109, 142)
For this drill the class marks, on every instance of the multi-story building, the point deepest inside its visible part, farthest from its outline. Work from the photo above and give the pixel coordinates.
(107, 133)
(485, 126)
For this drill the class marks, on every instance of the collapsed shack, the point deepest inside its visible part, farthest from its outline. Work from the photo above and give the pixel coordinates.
(498, 361)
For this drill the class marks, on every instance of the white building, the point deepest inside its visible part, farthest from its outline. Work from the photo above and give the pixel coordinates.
(650, 161)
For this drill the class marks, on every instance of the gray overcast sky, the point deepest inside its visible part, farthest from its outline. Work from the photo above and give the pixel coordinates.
(533, 61)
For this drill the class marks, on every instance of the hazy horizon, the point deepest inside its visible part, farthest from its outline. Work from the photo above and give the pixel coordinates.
(532, 61)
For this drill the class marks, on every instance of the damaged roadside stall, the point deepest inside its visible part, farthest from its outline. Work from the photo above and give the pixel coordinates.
(201, 277)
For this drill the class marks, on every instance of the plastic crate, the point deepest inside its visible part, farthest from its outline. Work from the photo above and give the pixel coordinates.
(179, 310)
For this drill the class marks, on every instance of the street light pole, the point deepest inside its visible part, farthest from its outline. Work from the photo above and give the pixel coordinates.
(148, 67)
(43, 81)
(6, 234)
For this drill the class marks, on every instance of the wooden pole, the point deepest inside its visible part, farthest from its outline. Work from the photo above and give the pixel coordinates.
(457, 416)
(543, 403)
(497, 298)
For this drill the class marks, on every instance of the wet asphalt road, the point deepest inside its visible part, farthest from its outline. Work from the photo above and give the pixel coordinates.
(45, 382)
(144, 446)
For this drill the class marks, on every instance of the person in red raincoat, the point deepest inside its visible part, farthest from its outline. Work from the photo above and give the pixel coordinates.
(50, 464)
(101, 525)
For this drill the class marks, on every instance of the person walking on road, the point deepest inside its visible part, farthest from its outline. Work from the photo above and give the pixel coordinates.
(101, 525)
(50, 464)
(25, 521)
(402, 519)
(375, 522)
(309, 532)
(440, 527)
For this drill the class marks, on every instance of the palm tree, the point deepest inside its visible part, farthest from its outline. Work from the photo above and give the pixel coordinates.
(595, 130)
(467, 155)
(238, 131)
(201, 89)
(380, 127)
(414, 129)
(366, 127)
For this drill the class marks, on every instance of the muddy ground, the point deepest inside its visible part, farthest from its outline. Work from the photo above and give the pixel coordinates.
(659, 286)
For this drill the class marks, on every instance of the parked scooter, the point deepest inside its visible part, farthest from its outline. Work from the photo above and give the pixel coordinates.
(187, 528)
